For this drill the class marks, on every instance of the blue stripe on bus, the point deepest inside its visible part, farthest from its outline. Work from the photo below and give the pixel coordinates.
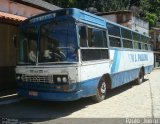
(86, 88)
(121, 78)
(116, 61)
(52, 96)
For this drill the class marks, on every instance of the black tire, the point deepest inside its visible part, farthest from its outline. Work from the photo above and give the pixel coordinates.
(140, 78)
(101, 91)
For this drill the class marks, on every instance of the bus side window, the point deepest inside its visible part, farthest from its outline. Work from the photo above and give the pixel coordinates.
(150, 47)
(139, 46)
(100, 38)
(115, 42)
(83, 36)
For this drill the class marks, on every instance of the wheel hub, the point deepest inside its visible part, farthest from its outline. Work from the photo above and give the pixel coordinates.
(103, 88)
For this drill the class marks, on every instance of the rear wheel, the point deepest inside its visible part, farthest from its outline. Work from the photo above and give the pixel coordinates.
(101, 91)
(140, 78)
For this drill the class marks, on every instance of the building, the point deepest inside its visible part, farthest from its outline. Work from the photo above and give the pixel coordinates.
(12, 12)
(127, 18)
(155, 36)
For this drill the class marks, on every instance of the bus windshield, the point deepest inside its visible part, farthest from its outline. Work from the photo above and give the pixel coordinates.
(48, 42)
(28, 45)
(58, 42)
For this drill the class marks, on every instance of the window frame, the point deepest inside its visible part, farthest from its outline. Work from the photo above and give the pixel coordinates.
(93, 48)
(114, 36)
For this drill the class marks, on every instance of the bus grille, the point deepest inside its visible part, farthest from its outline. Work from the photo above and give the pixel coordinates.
(37, 78)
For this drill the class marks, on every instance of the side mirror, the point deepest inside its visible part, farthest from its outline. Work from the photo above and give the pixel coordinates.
(15, 40)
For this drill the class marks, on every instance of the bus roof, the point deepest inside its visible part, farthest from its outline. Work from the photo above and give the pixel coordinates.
(78, 15)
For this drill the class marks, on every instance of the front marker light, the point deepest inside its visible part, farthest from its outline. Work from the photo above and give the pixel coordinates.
(18, 77)
(59, 79)
(64, 79)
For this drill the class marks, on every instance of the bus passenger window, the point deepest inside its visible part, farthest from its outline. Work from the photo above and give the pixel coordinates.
(143, 46)
(144, 39)
(127, 44)
(113, 30)
(94, 54)
(83, 36)
(126, 33)
(115, 42)
(97, 38)
(136, 36)
(136, 46)
(149, 47)
(139, 46)
(100, 38)
(146, 47)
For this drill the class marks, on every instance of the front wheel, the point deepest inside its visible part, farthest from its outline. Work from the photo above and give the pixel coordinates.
(101, 92)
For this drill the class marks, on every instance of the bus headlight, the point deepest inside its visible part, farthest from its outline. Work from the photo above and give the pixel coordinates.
(64, 79)
(59, 79)
(18, 77)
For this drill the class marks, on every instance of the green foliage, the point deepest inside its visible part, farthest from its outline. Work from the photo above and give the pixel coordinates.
(150, 10)
(61, 3)
(114, 5)
(100, 5)
(152, 18)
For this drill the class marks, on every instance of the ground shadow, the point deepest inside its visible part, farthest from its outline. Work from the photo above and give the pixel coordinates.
(40, 111)
(122, 88)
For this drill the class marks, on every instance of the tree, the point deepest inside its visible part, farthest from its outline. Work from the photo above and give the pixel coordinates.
(114, 5)
(100, 5)
(61, 3)
(150, 10)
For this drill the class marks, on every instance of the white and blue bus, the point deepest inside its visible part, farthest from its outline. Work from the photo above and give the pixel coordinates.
(69, 54)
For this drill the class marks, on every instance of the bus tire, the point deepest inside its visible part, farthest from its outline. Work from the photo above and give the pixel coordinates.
(140, 78)
(101, 91)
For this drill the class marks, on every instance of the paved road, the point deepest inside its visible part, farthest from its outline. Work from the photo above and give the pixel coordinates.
(128, 101)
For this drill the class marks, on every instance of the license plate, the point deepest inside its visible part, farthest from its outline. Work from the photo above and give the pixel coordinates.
(33, 93)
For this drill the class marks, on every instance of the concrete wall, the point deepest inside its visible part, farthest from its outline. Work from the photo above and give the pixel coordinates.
(111, 17)
(127, 19)
(140, 25)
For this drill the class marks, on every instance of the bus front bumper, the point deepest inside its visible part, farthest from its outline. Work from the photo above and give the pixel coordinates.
(51, 96)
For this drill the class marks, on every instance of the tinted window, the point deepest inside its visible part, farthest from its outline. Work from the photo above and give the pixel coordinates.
(57, 42)
(127, 44)
(28, 45)
(94, 54)
(115, 42)
(149, 47)
(146, 47)
(113, 30)
(139, 46)
(136, 36)
(143, 46)
(126, 33)
(97, 38)
(150, 41)
(92, 37)
(83, 36)
(136, 45)
(144, 39)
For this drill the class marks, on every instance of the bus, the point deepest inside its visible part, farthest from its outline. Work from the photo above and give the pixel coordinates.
(68, 54)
